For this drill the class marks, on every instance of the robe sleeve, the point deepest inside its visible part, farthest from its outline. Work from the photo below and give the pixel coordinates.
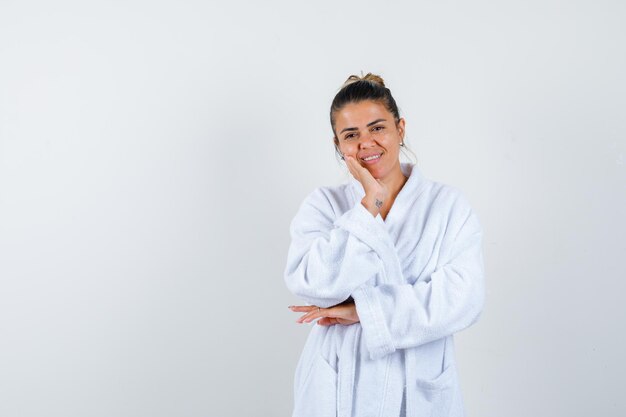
(328, 257)
(399, 316)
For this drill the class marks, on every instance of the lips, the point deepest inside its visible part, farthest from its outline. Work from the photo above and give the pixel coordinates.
(371, 157)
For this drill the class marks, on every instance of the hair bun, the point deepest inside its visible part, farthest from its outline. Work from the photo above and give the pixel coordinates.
(376, 79)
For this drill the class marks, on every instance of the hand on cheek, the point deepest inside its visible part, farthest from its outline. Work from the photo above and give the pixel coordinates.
(375, 190)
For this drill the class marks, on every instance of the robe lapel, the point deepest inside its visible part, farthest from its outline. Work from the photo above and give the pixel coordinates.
(387, 249)
(393, 274)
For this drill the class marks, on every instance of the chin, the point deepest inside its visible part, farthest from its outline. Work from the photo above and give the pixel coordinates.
(377, 173)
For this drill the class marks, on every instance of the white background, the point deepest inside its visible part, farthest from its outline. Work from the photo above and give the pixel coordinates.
(152, 155)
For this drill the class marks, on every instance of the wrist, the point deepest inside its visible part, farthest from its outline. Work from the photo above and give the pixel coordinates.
(372, 204)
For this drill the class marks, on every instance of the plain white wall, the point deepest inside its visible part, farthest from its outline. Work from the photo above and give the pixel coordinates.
(152, 155)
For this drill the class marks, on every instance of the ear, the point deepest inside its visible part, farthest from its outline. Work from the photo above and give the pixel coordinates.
(336, 142)
(401, 124)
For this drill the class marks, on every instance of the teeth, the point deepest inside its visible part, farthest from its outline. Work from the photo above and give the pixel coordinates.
(369, 158)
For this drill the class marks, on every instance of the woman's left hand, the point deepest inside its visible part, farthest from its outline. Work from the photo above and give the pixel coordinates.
(339, 314)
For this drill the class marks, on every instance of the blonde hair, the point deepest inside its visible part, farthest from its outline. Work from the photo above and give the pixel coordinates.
(367, 77)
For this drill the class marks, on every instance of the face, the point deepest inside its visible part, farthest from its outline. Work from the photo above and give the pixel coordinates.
(367, 130)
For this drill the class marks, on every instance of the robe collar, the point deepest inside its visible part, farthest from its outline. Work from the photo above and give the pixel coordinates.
(411, 190)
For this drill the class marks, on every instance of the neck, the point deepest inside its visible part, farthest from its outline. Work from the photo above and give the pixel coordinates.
(395, 181)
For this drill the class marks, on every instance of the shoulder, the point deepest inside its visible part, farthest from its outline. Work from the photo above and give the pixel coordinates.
(447, 196)
(323, 204)
(327, 198)
(453, 204)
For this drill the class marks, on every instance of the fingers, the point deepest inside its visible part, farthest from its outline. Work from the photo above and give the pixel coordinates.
(332, 312)
(362, 174)
(312, 312)
(354, 166)
(328, 321)
(350, 164)
(312, 315)
(340, 314)
(306, 309)
(302, 308)
(357, 165)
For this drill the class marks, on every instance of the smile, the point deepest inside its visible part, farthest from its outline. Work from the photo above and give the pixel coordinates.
(372, 159)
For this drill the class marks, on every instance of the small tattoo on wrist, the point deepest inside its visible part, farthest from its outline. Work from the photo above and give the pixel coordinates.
(378, 203)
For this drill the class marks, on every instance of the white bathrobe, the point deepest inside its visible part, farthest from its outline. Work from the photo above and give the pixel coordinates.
(416, 278)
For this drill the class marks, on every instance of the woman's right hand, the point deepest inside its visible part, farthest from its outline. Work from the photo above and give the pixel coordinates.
(376, 192)
(344, 313)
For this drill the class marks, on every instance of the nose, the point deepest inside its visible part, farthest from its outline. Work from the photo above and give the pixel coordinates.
(366, 140)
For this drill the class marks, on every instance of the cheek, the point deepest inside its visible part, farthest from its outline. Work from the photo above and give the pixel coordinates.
(392, 142)
(348, 149)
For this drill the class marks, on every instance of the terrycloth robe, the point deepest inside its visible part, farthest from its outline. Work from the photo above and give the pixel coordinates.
(416, 278)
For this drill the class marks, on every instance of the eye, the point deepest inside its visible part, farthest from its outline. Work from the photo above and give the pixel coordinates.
(378, 128)
(348, 136)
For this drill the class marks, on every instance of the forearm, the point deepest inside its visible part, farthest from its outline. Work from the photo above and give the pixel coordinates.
(396, 316)
(399, 316)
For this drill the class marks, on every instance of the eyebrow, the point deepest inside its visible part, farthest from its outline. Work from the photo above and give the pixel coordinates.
(368, 125)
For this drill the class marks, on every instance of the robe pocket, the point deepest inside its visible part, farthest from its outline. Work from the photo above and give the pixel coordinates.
(434, 396)
(318, 394)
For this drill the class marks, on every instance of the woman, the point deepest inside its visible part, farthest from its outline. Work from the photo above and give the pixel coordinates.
(391, 264)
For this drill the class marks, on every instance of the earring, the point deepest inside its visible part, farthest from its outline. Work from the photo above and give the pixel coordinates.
(402, 143)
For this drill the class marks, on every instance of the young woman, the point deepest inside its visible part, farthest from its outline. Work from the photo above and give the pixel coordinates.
(391, 266)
